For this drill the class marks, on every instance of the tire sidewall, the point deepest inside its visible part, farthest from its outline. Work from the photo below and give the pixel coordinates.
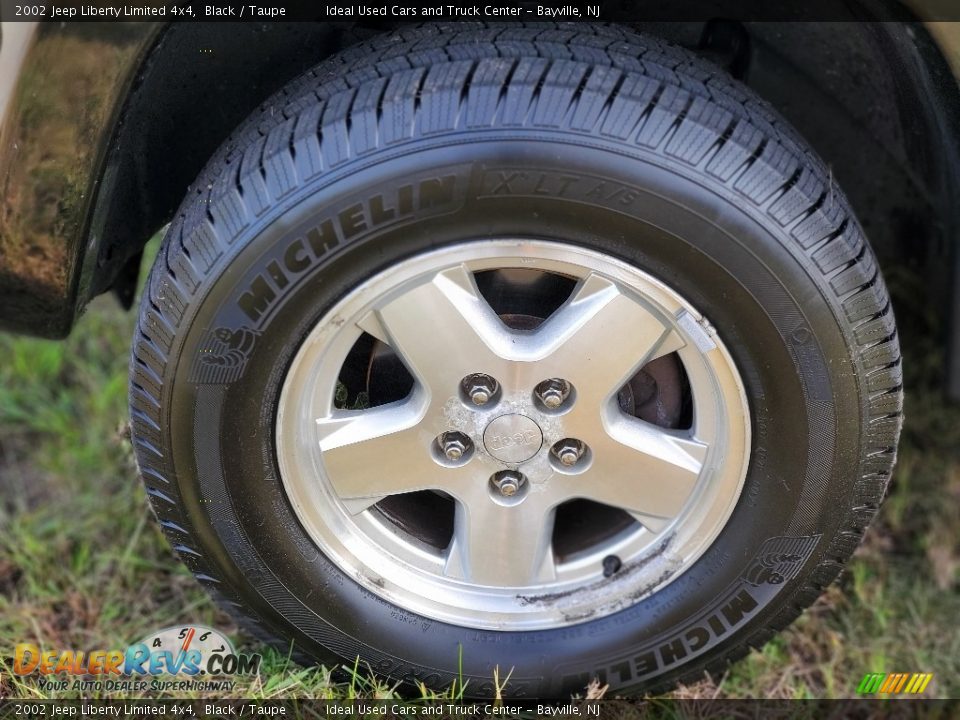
(731, 264)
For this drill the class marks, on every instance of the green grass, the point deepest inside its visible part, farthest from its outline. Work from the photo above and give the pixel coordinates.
(83, 564)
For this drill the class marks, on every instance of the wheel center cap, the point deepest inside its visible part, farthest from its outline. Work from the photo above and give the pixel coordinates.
(512, 438)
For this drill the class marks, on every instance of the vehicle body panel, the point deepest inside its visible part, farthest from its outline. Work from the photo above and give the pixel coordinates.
(57, 125)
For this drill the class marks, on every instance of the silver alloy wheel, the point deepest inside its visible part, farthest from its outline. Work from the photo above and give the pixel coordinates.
(499, 570)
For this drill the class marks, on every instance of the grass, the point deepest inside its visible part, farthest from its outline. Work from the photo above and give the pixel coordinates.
(83, 564)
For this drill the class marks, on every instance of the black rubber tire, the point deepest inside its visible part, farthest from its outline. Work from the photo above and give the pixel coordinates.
(677, 169)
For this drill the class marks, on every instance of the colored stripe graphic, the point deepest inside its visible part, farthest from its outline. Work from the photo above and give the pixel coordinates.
(894, 683)
(871, 683)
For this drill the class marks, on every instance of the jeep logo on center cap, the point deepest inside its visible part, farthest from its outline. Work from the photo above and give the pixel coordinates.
(512, 438)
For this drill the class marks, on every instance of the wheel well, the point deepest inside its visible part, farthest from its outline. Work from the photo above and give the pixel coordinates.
(198, 83)
(872, 99)
(876, 100)
(880, 104)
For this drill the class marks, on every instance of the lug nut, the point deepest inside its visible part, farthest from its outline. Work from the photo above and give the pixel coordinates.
(553, 393)
(552, 399)
(454, 446)
(569, 451)
(507, 483)
(479, 388)
(509, 487)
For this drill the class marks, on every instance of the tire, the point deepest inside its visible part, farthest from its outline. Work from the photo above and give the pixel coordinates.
(444, 144)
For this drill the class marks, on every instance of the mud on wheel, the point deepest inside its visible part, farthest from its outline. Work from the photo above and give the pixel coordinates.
(542, 349)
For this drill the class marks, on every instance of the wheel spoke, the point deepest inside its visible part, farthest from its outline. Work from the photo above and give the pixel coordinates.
(599, 338)
(444, 329)
(369, 454)
(502, 546)
(643, 469)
